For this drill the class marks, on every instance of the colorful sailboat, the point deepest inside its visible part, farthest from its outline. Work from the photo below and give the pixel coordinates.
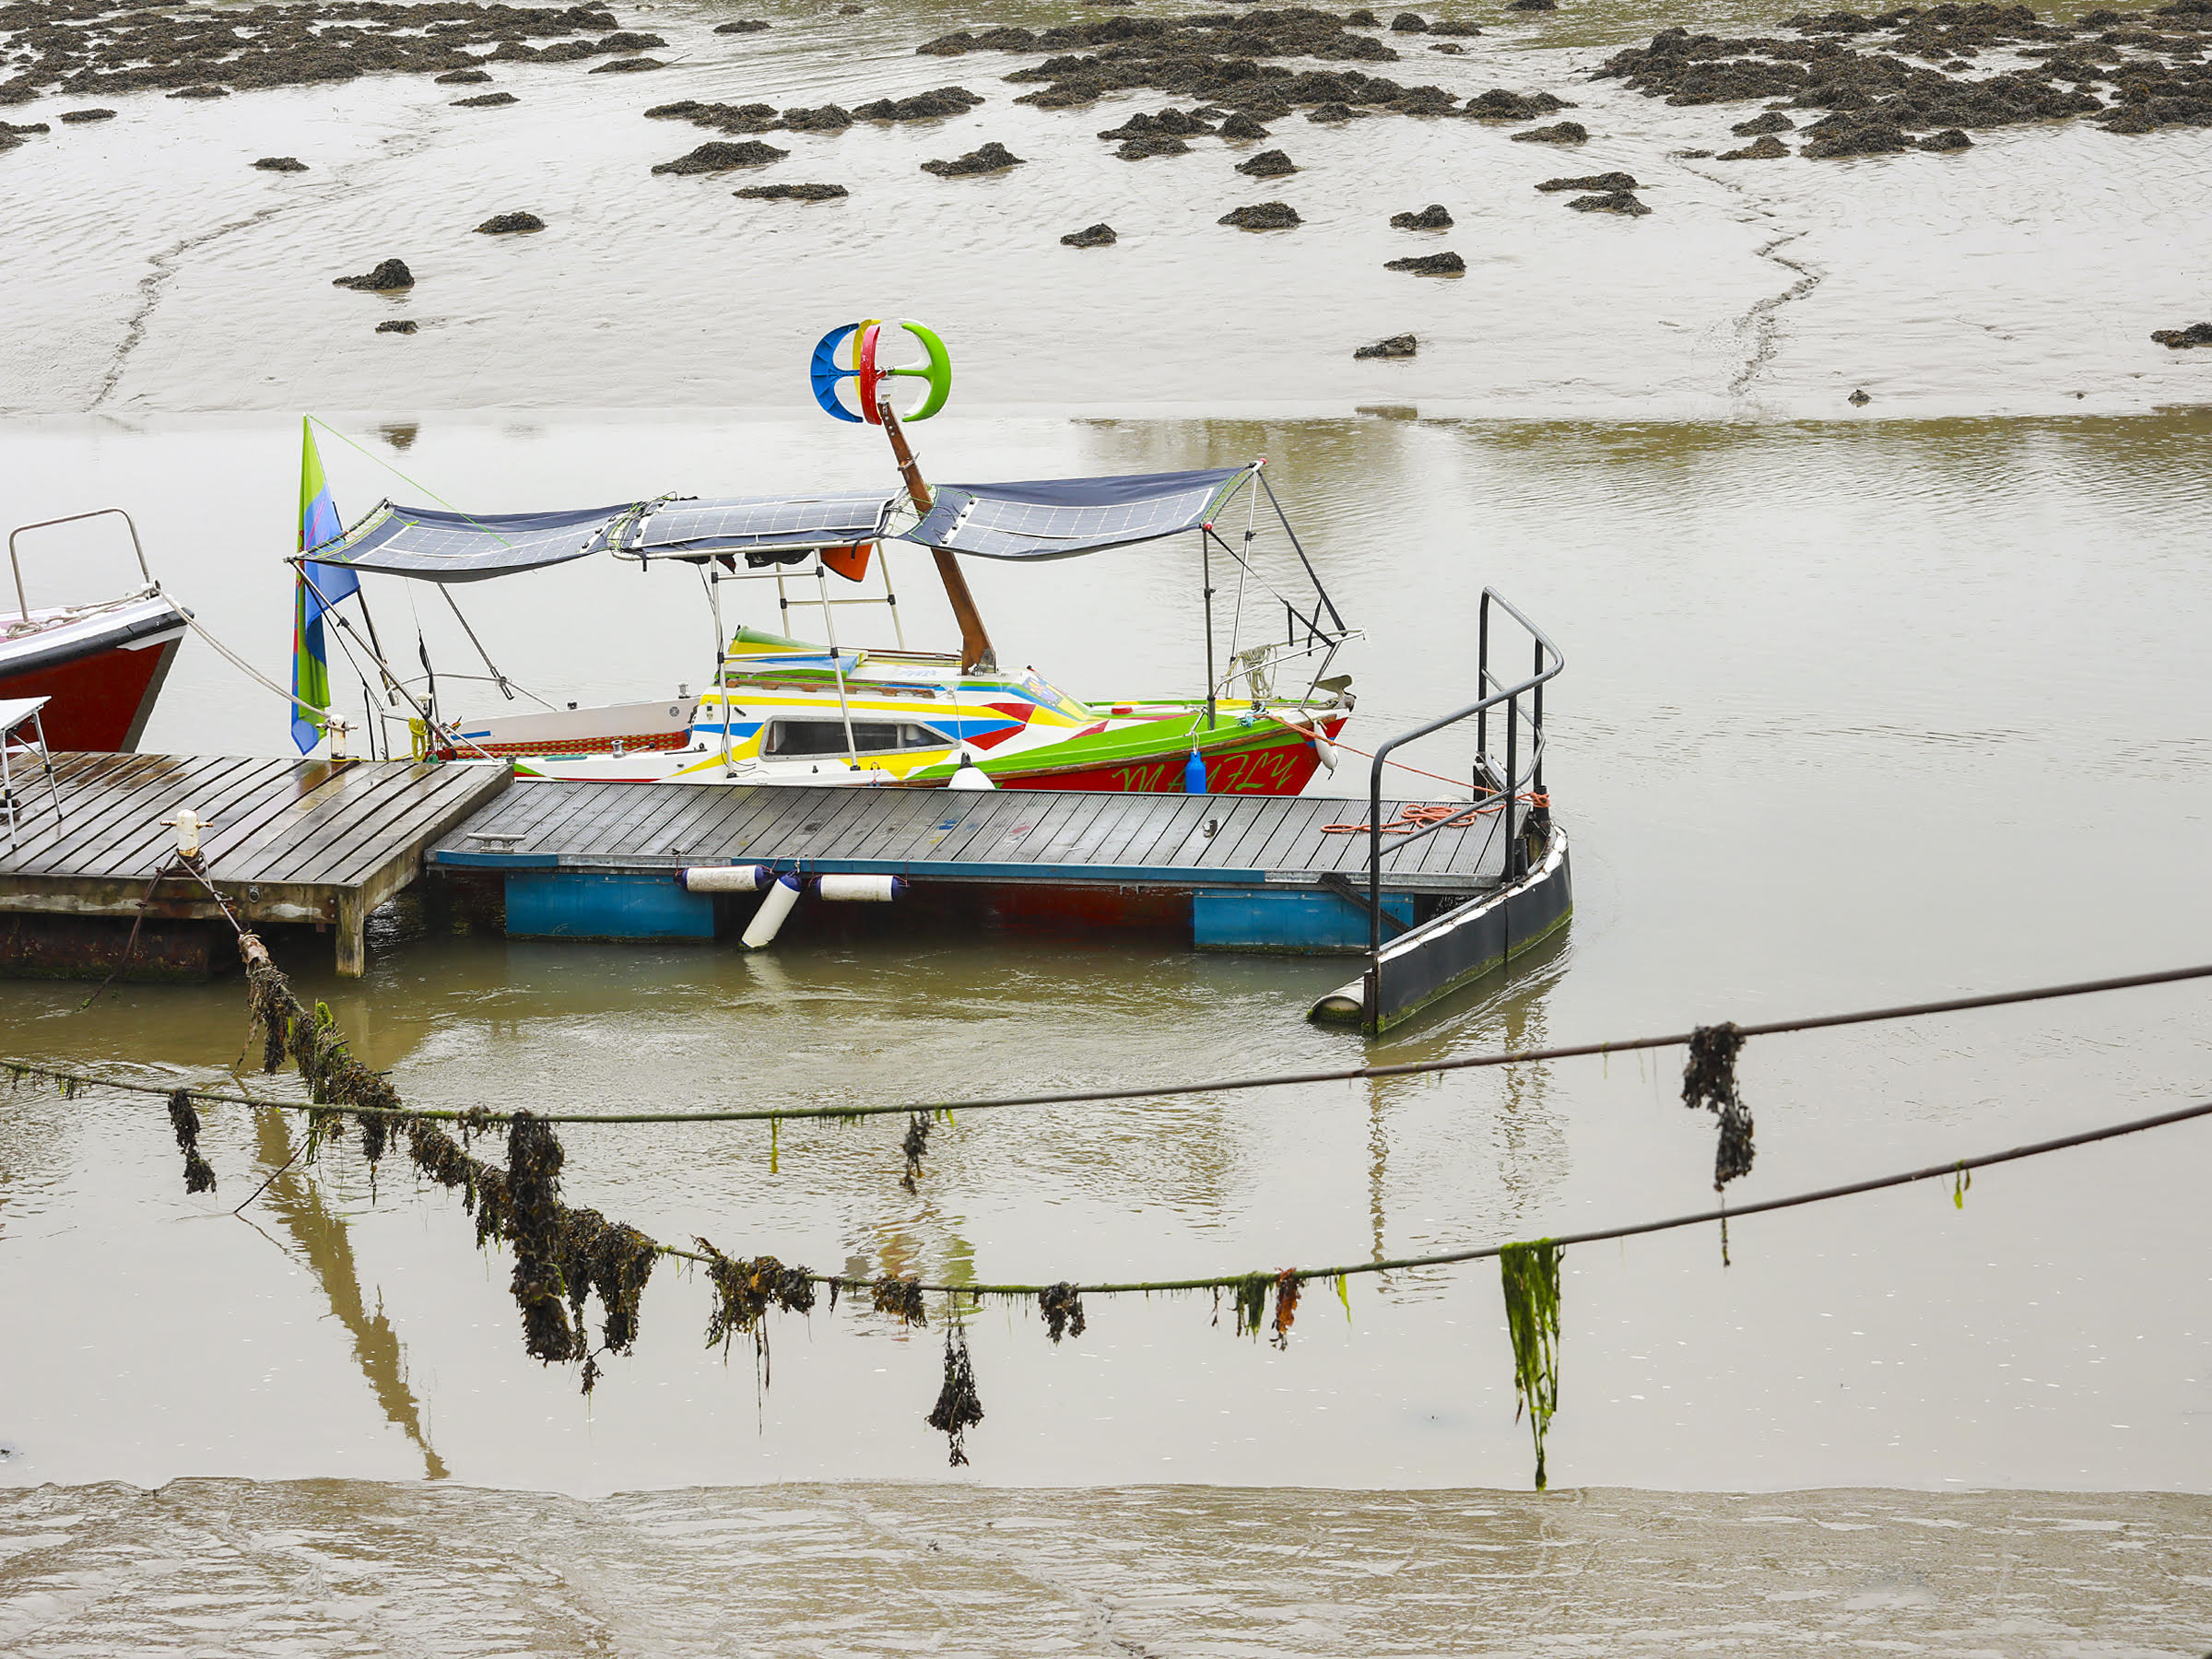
(777, 709)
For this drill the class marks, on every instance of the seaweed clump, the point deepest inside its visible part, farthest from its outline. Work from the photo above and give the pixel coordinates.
(533, 1191)
(184, 1118)
(744, 1291)
(1529, 1274)
(336, 1081)
(1252, 1292)
(990, 157)
(899, 1297)
(1063, 1311)
(561, 1255)
(1709, 1079)
(614, 1260)
(957, 1408)
(916, 1144)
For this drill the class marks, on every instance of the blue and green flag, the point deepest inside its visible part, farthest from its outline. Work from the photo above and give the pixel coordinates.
(331, 582)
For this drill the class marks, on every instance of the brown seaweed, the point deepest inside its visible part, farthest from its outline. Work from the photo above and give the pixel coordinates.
(1286, 1306)
(957, 1408)
(902, 1297)
(1709, 1079)
(533, 1192)
(184, 1118)
(744, 1291)
(1063, 1311)
(914, 1145)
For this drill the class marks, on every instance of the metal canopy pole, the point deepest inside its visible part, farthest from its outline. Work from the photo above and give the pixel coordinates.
(883, 569)
(1284, 519)
(1206, 578)
(836, 667)
(498, 678)
(722, 659)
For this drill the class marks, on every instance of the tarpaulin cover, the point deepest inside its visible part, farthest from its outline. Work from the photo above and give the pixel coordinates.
(767, 529)
(458, 547)
(1051, 518)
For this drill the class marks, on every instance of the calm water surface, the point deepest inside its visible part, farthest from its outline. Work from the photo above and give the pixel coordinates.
(1853, 715)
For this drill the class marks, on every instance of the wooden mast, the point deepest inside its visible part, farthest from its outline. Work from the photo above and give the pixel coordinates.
(976, 654)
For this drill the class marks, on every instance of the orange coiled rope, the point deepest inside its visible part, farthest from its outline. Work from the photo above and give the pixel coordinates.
(1410, 818)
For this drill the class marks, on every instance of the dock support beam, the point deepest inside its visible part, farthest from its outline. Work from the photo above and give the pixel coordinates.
(352, 931)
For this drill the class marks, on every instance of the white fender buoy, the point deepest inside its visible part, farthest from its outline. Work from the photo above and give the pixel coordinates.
(768, 920)
(723, 879)
(970, 775)
(1324, 750)
(861, 890)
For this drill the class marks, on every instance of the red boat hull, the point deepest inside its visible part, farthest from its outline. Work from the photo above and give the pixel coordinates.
(101, 689)
(1279, 763)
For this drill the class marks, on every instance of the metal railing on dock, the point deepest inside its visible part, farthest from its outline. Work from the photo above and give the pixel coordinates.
(1510, 794)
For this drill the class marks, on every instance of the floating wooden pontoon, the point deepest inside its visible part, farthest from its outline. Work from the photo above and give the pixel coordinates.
(1434, 895)
(322, 841)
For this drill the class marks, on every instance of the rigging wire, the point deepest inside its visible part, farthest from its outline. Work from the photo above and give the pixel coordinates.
(776, 1115)
(1442, 1258)
(1954, 1169)
(346, 439)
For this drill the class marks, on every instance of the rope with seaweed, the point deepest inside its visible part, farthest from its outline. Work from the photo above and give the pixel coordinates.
(1411, 1068)
(563, 1254)
(1949, 1169)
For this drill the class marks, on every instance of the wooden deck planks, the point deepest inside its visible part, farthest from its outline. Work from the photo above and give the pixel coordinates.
(137, 819)
(1062, 833)
(115, 794)
(698, 825)
(250, 794)
(430, 814)
(636, 831)
(524, 810)
(1304, 810)
(286, 839)
(954, 809)
(745, 814)
(1058, 811)
(321, 846)
(1222, 849)
(1072, 830)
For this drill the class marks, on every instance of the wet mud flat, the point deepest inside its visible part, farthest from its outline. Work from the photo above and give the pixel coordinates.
(300, 143)
(320, 1567)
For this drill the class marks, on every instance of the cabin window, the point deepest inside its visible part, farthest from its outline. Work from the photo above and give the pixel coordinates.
(805, 737)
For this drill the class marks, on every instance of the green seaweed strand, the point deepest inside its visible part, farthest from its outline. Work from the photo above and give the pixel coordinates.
(1530, 1275)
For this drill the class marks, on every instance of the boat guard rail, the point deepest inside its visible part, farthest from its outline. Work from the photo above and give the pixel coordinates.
(15, 562)
(1496, 778)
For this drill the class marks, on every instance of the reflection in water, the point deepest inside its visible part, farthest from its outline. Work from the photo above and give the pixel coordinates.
(298, 1197)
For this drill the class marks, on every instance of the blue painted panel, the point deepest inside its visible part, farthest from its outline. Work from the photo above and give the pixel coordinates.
(1286, 919)
(578, 904)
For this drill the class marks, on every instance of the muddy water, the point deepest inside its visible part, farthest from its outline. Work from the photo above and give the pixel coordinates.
(1856, 711)
(1853, 715)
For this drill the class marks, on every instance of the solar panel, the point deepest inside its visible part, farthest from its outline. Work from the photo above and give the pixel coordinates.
(1052, 518)
(743, 524)
(458, 547)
